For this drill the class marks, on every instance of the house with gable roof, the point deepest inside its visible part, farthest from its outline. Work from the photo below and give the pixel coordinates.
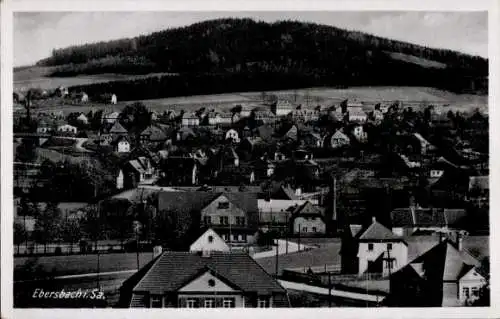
(209, 241)
(202, 280)
(121, 144)
(110, 132)
(374, 250)
(444, 276)
(337, 140)
(308, 220)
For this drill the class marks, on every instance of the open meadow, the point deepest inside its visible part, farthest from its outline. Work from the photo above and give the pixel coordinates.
(309, 97)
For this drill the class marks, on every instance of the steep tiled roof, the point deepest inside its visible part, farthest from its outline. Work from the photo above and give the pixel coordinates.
(185, 202)
(307, 209)
(117, 128)
(426, 217)
(377, 231)
(444, 262)
(171, 270)
(154, 133)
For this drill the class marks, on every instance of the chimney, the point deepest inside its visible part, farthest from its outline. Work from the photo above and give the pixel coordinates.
(374, 219)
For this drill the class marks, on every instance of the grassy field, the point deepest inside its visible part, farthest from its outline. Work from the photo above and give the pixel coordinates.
(308, 97)
(82, 264)
(38, 77)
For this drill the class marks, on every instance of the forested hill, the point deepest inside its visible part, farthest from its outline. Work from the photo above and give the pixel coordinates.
(244, 46)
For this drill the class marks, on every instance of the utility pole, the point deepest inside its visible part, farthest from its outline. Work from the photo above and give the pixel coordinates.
(277, 254)
(98, 269)
(299, 237)
(230, 234)
(329, 289)
(286, 233)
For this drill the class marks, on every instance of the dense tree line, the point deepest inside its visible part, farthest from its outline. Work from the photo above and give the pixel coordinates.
(243, 47)
(402, 74)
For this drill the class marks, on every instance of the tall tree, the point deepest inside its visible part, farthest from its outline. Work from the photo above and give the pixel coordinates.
(48, 225)
(20, 234)
(71, 232)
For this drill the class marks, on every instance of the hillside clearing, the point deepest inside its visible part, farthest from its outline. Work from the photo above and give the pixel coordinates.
(224, 102)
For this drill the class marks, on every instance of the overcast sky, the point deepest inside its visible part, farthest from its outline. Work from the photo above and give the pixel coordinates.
(36, 34)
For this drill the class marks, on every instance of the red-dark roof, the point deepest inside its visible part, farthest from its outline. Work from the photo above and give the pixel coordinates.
(172, 270)
(444, 262)
(186, 202)
(377, 231)
(427, 217)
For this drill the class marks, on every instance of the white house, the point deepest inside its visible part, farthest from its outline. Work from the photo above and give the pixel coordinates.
(114, 99)
(190, 119)
(85, 98)
(121, 145)
(232, 135)
(209, 241)
(110, 117)
(67, 128)
(82, 118)
(359, 133)
(308, 220)
(336, 140)
(380, 250)
(357, 115)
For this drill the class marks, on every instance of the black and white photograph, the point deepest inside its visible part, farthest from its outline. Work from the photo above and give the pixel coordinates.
(250, 159)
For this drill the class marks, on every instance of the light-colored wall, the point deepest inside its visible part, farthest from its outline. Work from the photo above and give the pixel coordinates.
(123, 147)
(202, 243)
(399, 252)
(119, 180)
(200, 284)
(239, 299)
(300, 222)
(231, 212)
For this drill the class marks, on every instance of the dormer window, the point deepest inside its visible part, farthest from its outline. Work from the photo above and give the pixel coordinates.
(223, 205)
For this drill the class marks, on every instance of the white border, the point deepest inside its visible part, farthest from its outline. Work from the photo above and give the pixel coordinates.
(8, 7)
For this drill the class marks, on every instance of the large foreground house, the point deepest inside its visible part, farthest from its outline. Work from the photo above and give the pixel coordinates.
(444, 276)
(202, 280)
(374, 250)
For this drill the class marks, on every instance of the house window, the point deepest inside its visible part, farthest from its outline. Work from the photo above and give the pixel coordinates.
(224, 236)
(228, 303)
(223, 205)
(226, 220)
(191, 303)
(210, 239)
(244, 237)
(156, 302)
(209, 303)
(304, 229)
(240, 237)
(207, 220)
(211, 283)
(475, 291)
(263, 303)
(314, 229)
(389, 246)
(390, 263)
(240, 221)
(221, 220)
(370, 247)
(465, 292)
